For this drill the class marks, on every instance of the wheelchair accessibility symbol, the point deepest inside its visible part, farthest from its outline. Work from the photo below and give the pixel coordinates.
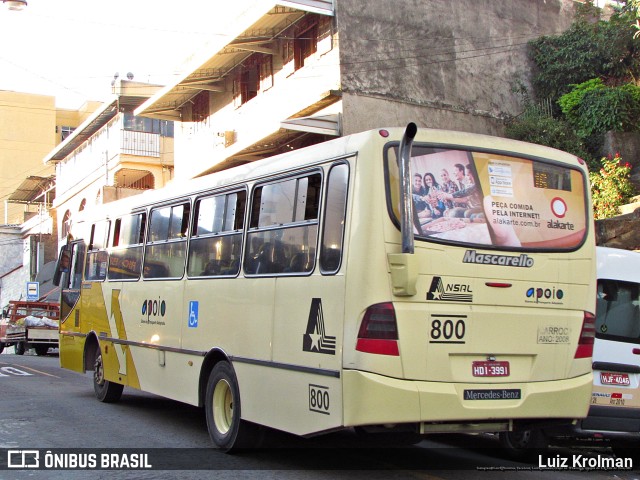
(193, 314)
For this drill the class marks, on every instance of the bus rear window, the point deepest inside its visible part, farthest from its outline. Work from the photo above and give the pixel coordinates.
(491, 199)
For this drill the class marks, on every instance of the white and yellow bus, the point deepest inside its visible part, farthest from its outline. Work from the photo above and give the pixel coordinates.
(328, 288)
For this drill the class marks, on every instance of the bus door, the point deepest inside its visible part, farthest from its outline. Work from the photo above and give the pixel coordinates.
(69, 278)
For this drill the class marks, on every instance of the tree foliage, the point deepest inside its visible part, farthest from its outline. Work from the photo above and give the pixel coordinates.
(535, 126)
(588, 49)
(593, 108)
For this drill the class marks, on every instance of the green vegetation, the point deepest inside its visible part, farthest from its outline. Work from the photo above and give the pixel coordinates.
(588, 76)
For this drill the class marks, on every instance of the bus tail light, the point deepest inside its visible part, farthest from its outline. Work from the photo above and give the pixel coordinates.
(379, 331)
(587, 336)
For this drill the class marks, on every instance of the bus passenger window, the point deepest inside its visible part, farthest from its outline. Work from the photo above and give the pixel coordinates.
(216, 242)
(97, 256)
(284, 227)
(125, 258)
(334, 218)
(166, 249)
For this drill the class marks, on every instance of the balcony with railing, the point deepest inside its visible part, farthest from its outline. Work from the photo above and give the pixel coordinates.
(140, 143)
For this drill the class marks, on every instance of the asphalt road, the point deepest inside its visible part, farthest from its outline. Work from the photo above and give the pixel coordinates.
(53, 412)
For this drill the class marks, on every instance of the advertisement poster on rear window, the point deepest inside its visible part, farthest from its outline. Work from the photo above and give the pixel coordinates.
(492, 199)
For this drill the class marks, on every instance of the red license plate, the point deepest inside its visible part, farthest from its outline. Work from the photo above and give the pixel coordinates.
(608, 378)
(490, 369)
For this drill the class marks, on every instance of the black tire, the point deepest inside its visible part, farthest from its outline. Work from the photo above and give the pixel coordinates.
(105, 391)
(223, 410)
(42, 349)
(387, 439)
(623, 448)
(20, 348)
(524, 444)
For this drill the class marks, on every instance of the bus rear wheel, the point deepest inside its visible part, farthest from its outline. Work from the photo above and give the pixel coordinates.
(105, 391)
(524, 444)
(226, 428)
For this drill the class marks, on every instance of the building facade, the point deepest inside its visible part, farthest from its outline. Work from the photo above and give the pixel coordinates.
(30, 126)
(112, 155)
(287, 74)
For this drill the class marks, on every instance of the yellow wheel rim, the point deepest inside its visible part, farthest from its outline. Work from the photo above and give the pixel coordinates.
(223, 406)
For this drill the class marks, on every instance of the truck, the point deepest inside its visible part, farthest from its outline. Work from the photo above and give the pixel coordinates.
(30, 324)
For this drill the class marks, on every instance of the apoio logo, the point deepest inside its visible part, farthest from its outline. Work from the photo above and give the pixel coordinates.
(154, 308)
(545, 295)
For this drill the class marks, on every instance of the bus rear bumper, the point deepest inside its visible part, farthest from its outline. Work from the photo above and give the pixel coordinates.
(374, 399)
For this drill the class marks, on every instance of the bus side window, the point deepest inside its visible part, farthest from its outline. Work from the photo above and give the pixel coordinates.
(334, 219)
(284, 227)
(216, 240)
(125, 256)
(77, 261)
(97, 257)
(166, 248)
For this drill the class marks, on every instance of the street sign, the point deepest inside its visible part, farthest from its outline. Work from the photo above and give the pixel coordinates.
(33, 290)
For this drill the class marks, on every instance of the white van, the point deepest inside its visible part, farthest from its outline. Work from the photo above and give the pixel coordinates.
(615, 400)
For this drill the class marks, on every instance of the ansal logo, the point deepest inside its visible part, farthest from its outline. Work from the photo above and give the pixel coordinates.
(449, 292)
(315, 339)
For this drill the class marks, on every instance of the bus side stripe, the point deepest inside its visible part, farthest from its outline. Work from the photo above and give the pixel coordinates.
(251, 361)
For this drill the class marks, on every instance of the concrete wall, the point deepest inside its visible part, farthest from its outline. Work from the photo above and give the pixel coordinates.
(439, 63)
(12, 274)
(11, 248)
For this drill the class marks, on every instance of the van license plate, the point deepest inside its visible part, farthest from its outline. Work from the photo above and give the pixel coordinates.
(608, 378)
(490, 369)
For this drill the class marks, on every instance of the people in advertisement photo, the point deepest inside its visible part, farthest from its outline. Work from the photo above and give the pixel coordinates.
(492, 199)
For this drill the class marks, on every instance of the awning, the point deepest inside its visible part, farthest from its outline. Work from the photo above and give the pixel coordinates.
(323, 124)
(33, 190)
(81, 134)
(127, 95)
(254, 31)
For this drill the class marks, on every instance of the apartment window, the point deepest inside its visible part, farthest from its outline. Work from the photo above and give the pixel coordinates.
(254, 76)
(305, 45)
(303, 41)
(200, 107)
(148, 125)
(266, 72)
(65, 132)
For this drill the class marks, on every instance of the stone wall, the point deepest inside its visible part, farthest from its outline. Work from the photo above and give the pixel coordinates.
(622, 231)
(439, 63)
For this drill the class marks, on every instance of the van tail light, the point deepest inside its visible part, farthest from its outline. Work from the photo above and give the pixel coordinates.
(379, 331)
(587, 336)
